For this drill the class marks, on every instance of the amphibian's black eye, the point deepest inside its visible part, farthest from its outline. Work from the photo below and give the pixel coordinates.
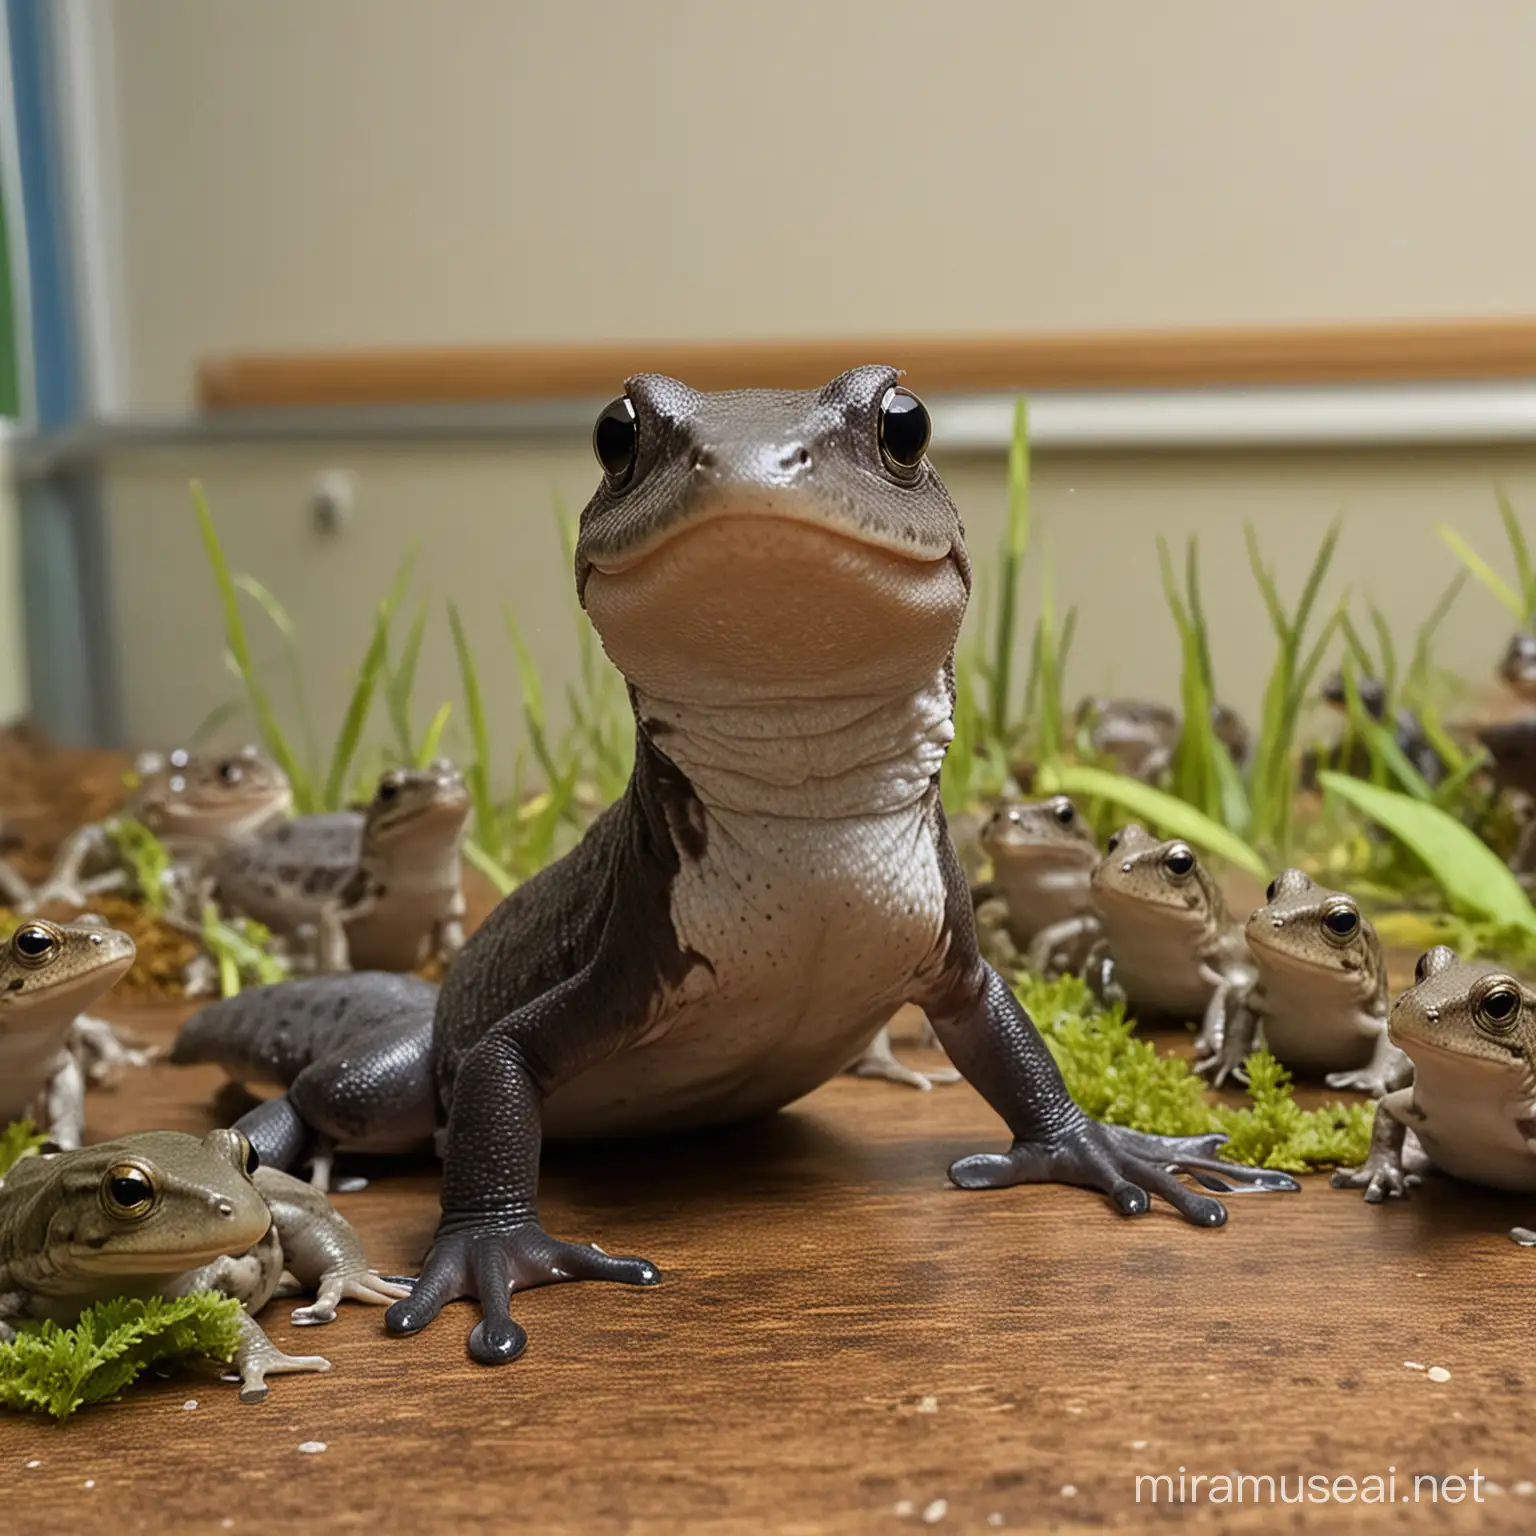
(1499, 1006)
(231, 772)
(252, 1157)
(1066, 812)
(388, 789)
(35, 943)
(1420, 970)
(616, 440)
(128, 1192)
(1113, 843)
(904, 428)
(1269, 891)
(1178, 861)
(1341, 922)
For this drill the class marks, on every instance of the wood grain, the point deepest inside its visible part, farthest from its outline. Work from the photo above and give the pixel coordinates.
(841, 1337)
(1335, 354)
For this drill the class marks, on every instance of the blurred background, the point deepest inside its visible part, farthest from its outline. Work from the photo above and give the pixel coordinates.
(369, 269)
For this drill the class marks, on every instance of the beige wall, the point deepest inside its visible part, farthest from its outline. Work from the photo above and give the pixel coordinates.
(484, 522)
(374, 172)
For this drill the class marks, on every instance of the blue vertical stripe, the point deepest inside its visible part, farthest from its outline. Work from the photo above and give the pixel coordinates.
(56, 353)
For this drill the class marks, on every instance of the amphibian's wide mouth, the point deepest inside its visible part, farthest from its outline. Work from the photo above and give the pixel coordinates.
(1447, 1058)
(1260, 939)
(765, 510)
(158, 1261)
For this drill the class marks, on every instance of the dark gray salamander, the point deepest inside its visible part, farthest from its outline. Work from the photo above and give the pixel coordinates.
(780, 577)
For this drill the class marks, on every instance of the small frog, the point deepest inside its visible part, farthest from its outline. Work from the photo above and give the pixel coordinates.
(1170, 949)
(164, 1214)
(49, 976)
(1320, 1000)
(1517, 669)
(1407, 729)
(1470, 1111)
(197, 805)
(1141, 737)
(376, 885)
(1039, 903)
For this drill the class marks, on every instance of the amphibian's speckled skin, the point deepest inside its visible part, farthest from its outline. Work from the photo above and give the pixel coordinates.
(378, 887)
(1043, 857)
(1470, 1029)
(1170, 948)
(49, 975)
(351, 1052)
(197, 805)
(1320, 1001)
(163, 1214)
(780, 577)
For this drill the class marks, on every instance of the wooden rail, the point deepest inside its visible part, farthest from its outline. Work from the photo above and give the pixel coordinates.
(1429, 351)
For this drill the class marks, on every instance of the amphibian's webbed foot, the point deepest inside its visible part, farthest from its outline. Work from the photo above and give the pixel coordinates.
(1129, 1166)
(258, 1357)
(489, 1265)
(348, 1284)
(1388, 1171)
(878, 1059)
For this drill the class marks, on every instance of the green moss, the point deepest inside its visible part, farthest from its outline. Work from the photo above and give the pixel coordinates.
(21, 1138)
(1123, 1080)
(54, 1370)
(145, 856)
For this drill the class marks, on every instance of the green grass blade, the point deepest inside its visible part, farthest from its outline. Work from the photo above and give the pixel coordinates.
(477, 775)
(1388, 671)
(429, 743)
(355, 719)
(284, 625)
(272, 736)
(1483, 572)
(1166, 812)
(1320, 563)
(1520, 550)
(1416, 680)
(401, 687)
(1266, 581)
(1015, 542)
(499, 876)
(1472, 876)
(533, 705)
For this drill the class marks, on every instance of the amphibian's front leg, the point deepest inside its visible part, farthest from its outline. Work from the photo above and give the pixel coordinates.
(257, 1357)
(64, 1104)
(1051, 950)
(995, 1044)
(332, 952)
(1384, 1173)
(447, 937)
(878, 1059)
(1387, 1070)
(16, 892)
(103, 1052)
(1232, 1031)
(321, 1251)
(489, 1242)
(64, 884)
(1100, 974)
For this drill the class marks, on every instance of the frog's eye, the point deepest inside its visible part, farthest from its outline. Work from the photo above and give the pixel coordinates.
(904, 429)
(250, 1158)
(128, 1192)
(35, 944)
(1269, 890)
(1065, 812)
(1498, 1009)
(230, 771)
(616, 440)
(1178, 861)
(1113, 843)
(389, 788)
(1341, 923)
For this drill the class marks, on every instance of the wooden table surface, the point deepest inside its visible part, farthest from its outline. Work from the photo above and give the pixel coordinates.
(844, 1342)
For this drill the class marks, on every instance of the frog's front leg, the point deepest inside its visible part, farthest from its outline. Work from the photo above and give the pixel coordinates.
(1232, 1031)
(1100, 973)
(1384, 1173)
(878, 1059)
(65, 885)
(321, 1251)
(15, 891)
(332, 951)
(103, 1051)
(1051, 949)
(489, 1242)
(994, 1042)
(1387, 1070)
(64, 1104)
(257, 1357)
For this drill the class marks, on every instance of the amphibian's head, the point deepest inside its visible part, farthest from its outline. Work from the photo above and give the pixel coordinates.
(1139, 871)
(771, 543)
(1307, 927)
(1373, 695)
(1464, 1011)
(420, 804)
(1040, 832)
(1518, 668)
(211, 796)
(59, 969)
(159, 1202)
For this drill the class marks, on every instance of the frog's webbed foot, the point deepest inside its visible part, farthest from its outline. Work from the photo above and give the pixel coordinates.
(488, 1263)
(1388, 1069)
(1129, 1166)
(258, 1357)
(105, 1051)
(1392, 1167)
(878, 1059)
(344, 1283)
